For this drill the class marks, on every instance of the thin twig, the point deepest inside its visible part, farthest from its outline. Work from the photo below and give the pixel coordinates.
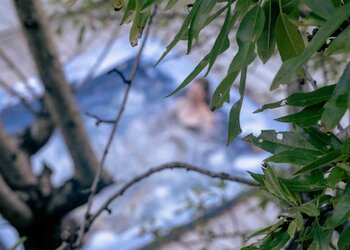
(99, 120)
(122, 76)
(15, 94)
(84, 227)
(309, 78)
(21, 76)
(171, 165)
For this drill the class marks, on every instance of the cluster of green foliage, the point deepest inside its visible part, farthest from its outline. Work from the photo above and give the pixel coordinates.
(316, 197)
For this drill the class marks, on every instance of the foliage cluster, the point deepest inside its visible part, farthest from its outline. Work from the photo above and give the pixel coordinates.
(316, 196)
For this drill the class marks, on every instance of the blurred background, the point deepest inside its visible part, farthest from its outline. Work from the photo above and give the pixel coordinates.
(174, 209)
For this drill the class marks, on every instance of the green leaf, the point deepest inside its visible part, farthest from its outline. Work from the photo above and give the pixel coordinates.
(289, 41)
(337, 105)
(336, 175)
(304, 184)
(344, 242)
(295, 156)
(321, 238)
(308, 117)
(292, 228)
(320, 140)
(182, 31)
(289, 6)
(341, 212)
(267, 230)
(248, 32)
(323, 8)
(129, 10)
(310, 209)
(299, 221)
(222, 41)
(203, 63)
(267, 42)
(291, 67)
(274, 186)
(192, 75)
(341, 42)
(199, 21)
(234, 126)
(275, 142)
(136, 27)
(302, 99)
(296, 184)
(257, 177)
(328, 158)
(275, 241)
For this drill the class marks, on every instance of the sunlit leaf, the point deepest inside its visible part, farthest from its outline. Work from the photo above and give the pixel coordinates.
(310, 209)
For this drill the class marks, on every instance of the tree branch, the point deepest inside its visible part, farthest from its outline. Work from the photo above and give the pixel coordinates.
(171, 166)
(58, 95)
(12, 208)
(35, 136)
(14, 164)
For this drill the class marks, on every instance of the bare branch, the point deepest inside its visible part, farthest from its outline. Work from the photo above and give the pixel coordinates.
(58, 95)
(12, 208)
(114, 128)
(309, 77)
(172, 165)
(122, 76)
(99, 120)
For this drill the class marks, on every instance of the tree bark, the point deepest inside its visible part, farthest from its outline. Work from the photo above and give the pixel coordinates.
(59, 97)
(14, 164)
(12, 208)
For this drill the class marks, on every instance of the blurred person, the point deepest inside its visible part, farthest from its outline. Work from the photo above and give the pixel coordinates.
(192, 111)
